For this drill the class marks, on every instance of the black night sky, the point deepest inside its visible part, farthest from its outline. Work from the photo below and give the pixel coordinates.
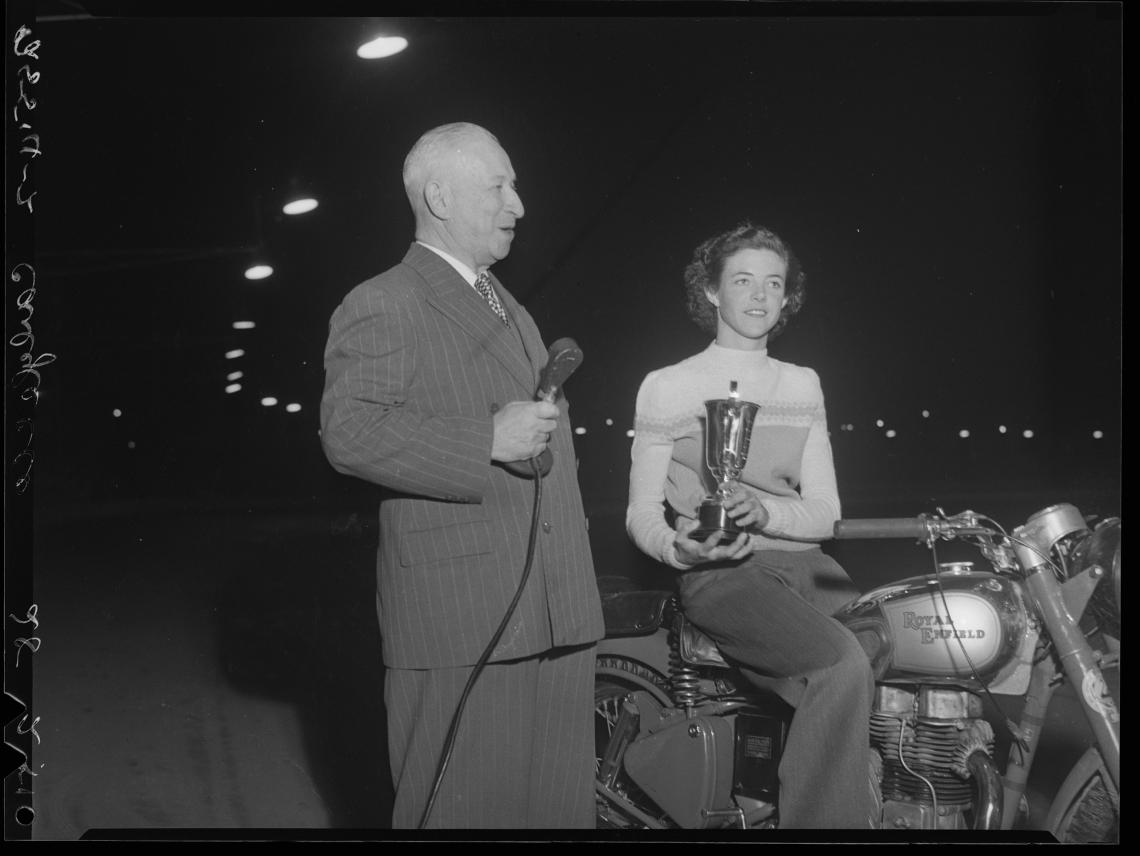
(950, 175)
(952, 184)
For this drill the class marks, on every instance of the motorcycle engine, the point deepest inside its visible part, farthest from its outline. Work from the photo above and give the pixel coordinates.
(924, 736)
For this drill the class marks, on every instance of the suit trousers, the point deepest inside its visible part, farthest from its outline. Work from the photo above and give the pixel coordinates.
(772, 615)
(524, 750)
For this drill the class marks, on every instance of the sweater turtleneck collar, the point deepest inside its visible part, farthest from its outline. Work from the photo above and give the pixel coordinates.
(731, 357)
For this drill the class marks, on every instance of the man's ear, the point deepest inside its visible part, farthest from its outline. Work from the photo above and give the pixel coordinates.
(437, 197)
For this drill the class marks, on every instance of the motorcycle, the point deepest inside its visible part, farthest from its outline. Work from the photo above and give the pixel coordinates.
(684, 741)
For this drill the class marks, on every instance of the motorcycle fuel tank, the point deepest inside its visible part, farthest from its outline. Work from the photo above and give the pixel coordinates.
(952, 627)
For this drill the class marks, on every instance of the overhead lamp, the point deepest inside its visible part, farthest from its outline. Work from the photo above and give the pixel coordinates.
(300, 206)
(235, 376)
(244, 325)
(233, 387)
(292, 408)
(268, 401)
(381, 47)
(234, 354)
(258, 272)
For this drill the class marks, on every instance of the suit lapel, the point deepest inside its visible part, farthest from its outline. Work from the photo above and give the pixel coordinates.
(527, 330)
(450, 294)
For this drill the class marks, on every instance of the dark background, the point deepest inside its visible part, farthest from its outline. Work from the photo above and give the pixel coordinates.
(950, 175)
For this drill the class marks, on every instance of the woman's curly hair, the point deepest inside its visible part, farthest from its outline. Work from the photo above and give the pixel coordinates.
(702, 275)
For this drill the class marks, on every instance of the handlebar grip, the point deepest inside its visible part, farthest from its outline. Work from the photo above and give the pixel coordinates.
(882, 527)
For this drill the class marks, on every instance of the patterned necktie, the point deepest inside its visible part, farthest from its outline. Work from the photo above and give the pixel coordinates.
(484, 287)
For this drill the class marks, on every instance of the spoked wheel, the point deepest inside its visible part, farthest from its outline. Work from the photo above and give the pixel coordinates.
(614, 680)
(1087, 807)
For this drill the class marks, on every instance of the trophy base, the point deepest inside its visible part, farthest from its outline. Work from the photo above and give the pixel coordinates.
(714, 525)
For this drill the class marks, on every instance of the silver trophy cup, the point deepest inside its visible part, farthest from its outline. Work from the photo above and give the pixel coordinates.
(728, 430)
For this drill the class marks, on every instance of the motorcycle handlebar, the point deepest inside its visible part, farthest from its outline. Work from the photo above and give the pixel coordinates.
(883, 527)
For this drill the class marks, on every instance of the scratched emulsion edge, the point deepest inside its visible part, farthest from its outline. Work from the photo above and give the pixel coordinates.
(24, 365)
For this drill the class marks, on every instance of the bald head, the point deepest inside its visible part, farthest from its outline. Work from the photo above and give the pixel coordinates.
(436, 151)
(461, 187)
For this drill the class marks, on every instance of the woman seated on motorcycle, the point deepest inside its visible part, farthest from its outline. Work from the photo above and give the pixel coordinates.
(768, 596)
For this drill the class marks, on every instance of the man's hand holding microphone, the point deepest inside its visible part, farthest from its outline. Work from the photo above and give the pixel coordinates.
(523, 429)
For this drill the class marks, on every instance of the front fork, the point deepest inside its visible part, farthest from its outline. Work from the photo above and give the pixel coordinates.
(1080, 663)
(1057, 605)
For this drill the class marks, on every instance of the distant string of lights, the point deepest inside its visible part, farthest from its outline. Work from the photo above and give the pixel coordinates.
(581, 430)
(378, 48)
(890, 433)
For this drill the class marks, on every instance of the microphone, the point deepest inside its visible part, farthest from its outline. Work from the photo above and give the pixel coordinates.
(564, 357)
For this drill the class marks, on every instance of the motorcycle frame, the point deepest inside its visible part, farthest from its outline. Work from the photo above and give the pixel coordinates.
(1060, 606)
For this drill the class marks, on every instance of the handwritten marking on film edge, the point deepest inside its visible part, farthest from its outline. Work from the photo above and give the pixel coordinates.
(33, 642)
(25, 814)
(29, 374)
(25, 103)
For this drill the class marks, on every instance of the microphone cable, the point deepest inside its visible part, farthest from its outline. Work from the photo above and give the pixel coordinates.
(449, 743)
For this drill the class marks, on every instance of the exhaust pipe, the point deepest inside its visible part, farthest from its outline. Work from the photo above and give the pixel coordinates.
(988, 811)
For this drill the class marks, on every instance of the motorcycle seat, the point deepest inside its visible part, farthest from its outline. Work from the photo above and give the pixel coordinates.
(696, 647)
(641, 613)
(635, 613)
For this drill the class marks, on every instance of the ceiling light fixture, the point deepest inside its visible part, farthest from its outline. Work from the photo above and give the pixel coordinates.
(381, 47)
(300, 206)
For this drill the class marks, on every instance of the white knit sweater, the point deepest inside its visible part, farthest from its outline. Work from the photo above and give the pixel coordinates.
(789, 463)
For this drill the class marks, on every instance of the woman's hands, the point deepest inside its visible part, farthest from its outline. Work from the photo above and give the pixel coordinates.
(746, 510)
(693, 552)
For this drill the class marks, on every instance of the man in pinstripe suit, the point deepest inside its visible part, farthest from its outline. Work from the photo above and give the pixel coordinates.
(429, 390)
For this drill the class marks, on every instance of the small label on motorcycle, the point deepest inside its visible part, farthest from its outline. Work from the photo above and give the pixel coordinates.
(757, 746)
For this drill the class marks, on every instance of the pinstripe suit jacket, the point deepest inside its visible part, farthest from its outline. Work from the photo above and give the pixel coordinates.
(416, 363)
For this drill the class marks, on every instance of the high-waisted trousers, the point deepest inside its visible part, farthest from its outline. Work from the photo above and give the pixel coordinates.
(772, 615)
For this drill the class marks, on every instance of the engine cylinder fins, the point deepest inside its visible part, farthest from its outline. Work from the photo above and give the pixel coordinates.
(931, 750)
(900, 785)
